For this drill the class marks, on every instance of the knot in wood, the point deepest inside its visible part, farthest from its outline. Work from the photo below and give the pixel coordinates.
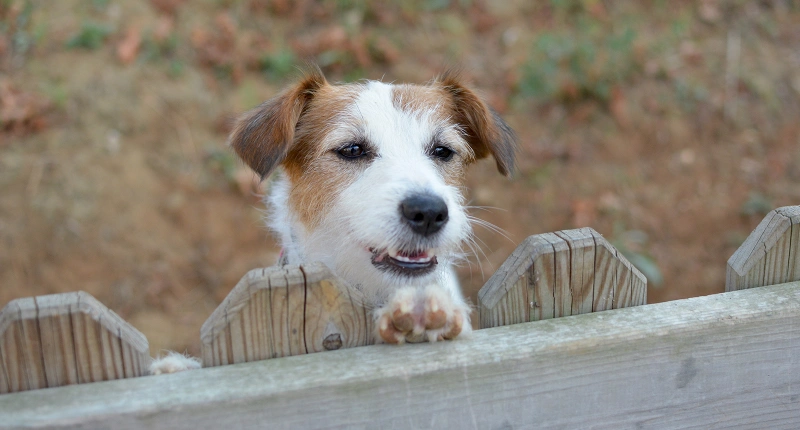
(332, 342)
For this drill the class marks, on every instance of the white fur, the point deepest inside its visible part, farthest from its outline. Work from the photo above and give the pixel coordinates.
(173, 362)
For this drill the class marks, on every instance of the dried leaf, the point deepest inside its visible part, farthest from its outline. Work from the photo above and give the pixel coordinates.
(618, 105)
(128, 47)
(168, 7)
(21, 112)
(584, 212)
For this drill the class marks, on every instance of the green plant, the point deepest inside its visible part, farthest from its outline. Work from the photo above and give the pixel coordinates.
(632, 244)
(224, 162)
(585, 63)
(176, 68)
(91, 36)
(278, 65)
(100, 5)
(756, 204)
(153, 49)
(15, 26)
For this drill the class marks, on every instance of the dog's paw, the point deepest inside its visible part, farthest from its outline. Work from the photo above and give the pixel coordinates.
(419, 315)
(174, 362)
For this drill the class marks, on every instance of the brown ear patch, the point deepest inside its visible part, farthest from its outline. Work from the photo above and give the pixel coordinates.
(262, 137)
(484, 130)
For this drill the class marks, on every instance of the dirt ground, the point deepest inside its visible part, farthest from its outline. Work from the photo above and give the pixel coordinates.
(669, 127)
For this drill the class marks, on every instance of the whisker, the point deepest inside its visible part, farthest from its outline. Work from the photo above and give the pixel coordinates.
(486, 208)
(489, 226)
(473, 246)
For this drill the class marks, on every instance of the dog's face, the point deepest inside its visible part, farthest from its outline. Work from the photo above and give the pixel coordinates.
(373, 171)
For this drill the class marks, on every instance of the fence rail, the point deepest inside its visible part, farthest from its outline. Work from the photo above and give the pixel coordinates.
(728, 359)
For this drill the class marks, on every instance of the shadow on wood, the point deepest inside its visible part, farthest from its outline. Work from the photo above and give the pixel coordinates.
(283, 311)
(62, 339)
(552, 275)
(770, 255)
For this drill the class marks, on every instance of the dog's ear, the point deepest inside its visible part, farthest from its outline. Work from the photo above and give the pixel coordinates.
(485, 131)
(262, 137)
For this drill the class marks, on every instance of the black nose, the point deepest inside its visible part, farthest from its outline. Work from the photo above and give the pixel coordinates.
(425, 213)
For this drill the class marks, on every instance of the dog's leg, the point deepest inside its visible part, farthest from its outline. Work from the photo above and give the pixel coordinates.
(432, 313)
(174, 362)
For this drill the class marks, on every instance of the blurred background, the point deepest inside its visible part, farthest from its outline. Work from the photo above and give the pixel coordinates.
(671, 127)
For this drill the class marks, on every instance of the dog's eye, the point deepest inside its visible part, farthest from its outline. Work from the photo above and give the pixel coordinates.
(442, 152)
(352, 151)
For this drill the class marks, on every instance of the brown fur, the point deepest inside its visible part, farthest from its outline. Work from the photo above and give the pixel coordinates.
(485, 131)
(262, 137)
(315, 171)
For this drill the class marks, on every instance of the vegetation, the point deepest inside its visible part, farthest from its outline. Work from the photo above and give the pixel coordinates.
(670, 127)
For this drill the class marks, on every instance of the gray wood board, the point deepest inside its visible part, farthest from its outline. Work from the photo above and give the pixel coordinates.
(771, 253)
(723, 361)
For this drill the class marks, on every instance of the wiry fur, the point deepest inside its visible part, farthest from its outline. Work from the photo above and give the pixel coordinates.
(344, 212)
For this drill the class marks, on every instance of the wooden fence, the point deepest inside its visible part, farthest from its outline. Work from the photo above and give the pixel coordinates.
(726, 360)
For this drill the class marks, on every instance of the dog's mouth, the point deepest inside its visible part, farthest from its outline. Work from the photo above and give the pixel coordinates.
(407, 263)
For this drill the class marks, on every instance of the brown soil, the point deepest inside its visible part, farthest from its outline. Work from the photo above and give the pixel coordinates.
(113, 115)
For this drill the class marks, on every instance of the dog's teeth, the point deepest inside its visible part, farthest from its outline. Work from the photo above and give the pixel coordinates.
(419, 257)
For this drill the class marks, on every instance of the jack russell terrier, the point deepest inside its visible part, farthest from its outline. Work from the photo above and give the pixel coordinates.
(371, 184)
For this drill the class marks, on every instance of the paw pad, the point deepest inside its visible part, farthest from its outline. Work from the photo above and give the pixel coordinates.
(418, 315)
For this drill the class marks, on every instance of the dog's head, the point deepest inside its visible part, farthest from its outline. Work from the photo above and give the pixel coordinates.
(373, 171)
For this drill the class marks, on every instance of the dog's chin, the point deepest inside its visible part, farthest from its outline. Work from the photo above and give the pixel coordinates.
(410, 264)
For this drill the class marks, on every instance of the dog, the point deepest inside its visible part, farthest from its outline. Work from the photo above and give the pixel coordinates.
(371, 184)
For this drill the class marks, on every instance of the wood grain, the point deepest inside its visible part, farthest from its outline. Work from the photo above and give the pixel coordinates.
(335, 315)
(721, 361)
(284, 311)
(61, 339)
(770, 255)
(552, 275)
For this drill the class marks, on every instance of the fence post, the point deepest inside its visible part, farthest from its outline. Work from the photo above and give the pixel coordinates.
(70, 338)
(551, 275)
(283, 311)
(770, 255)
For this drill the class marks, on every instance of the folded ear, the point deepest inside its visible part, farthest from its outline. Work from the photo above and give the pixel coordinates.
(484, 130)
(262, 137)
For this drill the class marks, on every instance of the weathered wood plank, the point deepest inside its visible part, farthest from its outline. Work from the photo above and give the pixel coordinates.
(793, 269)
(581, 268)
(507, 303)
(279, 298)
(605, 273)
(30, 346)
(558, 274)
(543, 273)
(334, 313)
(85, 334)
(58, 348)
(771, 253)
(562, 294)
(13, 364)
(60, 339)
(726, 360)
(284, 311)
